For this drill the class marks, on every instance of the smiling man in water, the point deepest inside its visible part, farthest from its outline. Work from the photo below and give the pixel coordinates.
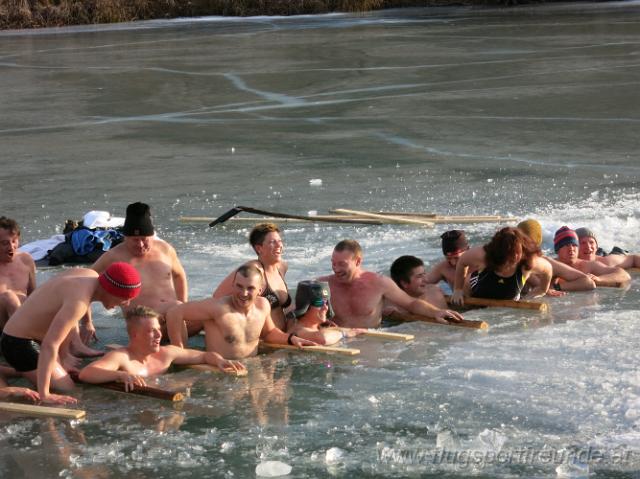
(144, 356)
(17, 270)
(235, 323)
(358, 295)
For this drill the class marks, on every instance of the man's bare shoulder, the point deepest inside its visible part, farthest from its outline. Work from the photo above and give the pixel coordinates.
(374, 279)
(326, 278)
(263, 304)
(117, 253)
(26, 259)
(162, 246)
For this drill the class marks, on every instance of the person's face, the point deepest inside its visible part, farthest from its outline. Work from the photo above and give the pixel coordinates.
(417, 282)
(588, 248)
(345, 265)
(271, 247)
(138, 246)
(568, 253)
(9, 243)
(246, 290)
(319, 313)
(147, 335)
(452, 258)
(110, 301)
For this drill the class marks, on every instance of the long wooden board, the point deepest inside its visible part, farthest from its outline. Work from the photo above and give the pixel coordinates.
(374, 333)
(633, 270)
(386, 218)
(465, 323)
(452, 218)
(503, 303)
(47, 411)
(315, 349)
(149, 391)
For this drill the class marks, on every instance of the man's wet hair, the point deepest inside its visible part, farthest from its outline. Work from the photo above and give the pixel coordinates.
(349, 245)
(402, 267)
(133, 316)
(10, 225)
(249, 269)
(260, 231)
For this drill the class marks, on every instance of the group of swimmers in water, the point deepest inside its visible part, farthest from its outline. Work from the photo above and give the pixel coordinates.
(46, 329)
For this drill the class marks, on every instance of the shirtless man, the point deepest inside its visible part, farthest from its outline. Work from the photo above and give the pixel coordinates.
(144, 356)
(589, 246)
(313, 309)
(566, 245)
(565, 278)
(50, 313)
(454, 243)
(358, 295)
(163, 278)
(409, 274)
(233, 324)
(266, 241)
(500, 268)
(17, 271)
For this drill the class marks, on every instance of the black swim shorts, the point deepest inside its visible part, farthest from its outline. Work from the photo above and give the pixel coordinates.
(21, 354)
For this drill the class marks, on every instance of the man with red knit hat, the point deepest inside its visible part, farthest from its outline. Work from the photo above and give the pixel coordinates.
(566, 245)
(34, 341)
(163, 277)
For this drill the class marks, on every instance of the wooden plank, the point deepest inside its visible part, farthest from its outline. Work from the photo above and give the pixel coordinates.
(633, 270)
(503, 303)
(199, 367)
(436, 218)
(386, 218)
(447, 220)
(31, 410)
(374, 333)
(315, 349)
(465, 323)
(149, 391)
(309, 219)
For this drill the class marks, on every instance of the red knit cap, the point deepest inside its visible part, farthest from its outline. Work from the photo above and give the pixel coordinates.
(121, 280)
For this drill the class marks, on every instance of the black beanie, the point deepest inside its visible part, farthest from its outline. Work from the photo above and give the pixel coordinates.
(138, 220)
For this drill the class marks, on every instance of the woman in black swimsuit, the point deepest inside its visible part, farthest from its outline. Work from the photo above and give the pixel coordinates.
(500, 268)
(267, 243)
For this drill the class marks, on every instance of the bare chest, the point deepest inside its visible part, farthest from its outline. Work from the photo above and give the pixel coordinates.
(14, 277)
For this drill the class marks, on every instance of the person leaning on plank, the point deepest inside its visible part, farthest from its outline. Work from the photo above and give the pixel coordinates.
(501, 268)
(565, 278)
(359, 295)
(34, 341)
(454, 244)
(266, 241)
(566, 245)
(312, 314)
(144, 356)
(590, 251)
(233, 324)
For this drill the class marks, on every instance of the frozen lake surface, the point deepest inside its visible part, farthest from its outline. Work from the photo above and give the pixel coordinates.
(528, 112)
